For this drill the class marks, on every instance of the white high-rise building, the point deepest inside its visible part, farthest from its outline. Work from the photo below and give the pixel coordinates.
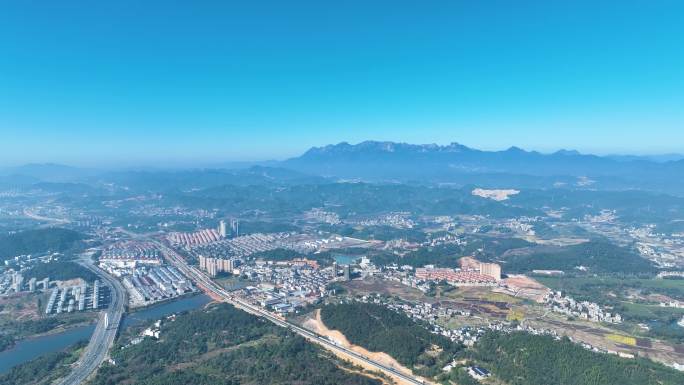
(235, 227)
(222, 229)
(491, 269)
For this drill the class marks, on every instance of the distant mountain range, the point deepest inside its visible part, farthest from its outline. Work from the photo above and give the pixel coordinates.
(48, 172)
(651, 158)
(51, 177)
(207, 178)
(399, 162)
(514, 167)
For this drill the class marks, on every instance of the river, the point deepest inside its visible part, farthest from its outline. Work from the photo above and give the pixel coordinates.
(30, 348)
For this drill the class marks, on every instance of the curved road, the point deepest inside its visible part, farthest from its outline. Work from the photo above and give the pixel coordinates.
(37, 217)
(105, 332)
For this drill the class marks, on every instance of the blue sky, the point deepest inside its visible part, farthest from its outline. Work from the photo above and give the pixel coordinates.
(128, 82)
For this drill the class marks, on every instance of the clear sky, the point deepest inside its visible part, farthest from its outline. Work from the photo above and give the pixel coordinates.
(130, 81)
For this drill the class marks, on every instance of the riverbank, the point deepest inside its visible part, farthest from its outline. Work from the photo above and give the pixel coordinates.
(89, 320)
(29, 349)
(158, 310)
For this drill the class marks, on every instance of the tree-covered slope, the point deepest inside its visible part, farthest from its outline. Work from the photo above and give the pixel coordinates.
(59, 271)
(222, 345)
(379, 329)
(597, 256)
(525, 359)
(37, 241)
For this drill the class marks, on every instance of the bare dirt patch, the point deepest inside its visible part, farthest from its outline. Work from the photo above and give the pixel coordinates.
(391, 288)
(497, 195)
(316, 324)
(21, 307)
(524, 287)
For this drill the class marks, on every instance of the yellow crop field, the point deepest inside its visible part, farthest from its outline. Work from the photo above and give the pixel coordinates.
(622, 339)
(515, 315)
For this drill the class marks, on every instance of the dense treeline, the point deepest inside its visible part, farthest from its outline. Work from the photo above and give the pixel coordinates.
(379, 329)
(460, 376)
(291, 360)
(483, 247)
(6, 341)
(250, 227)
(224, 346)
(442, 256)
(544, 230)
(12, 330)
(382, 233)
(38, 241)
(36, 326)
(44, 369)
(525, 359)
(59, 271)
(276, 255)
(598, 256)
(488, 248)
(518, 255)
(343, 198)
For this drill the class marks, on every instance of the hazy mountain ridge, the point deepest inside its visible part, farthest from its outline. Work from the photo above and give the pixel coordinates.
(661, 158)
(395, 162)
(456, 163)
(49, 172)
(455, 155)
(207, 178)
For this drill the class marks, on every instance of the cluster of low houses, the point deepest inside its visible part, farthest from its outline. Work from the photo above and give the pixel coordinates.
(467, 335)
(582, 309)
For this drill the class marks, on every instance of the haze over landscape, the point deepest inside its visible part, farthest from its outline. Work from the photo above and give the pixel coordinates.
(356, 193)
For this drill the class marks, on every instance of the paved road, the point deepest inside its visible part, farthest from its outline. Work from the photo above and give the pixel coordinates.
(37, 217)
(217, 292)
(103, 336)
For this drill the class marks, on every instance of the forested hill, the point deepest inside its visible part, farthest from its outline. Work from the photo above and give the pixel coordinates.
(379, 329)
(221, 345)
(525, 359)
(38, 241)
(597, 256)
(59, 271)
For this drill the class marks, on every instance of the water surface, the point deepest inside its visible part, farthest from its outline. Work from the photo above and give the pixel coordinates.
(343, 259)
(31, 348)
